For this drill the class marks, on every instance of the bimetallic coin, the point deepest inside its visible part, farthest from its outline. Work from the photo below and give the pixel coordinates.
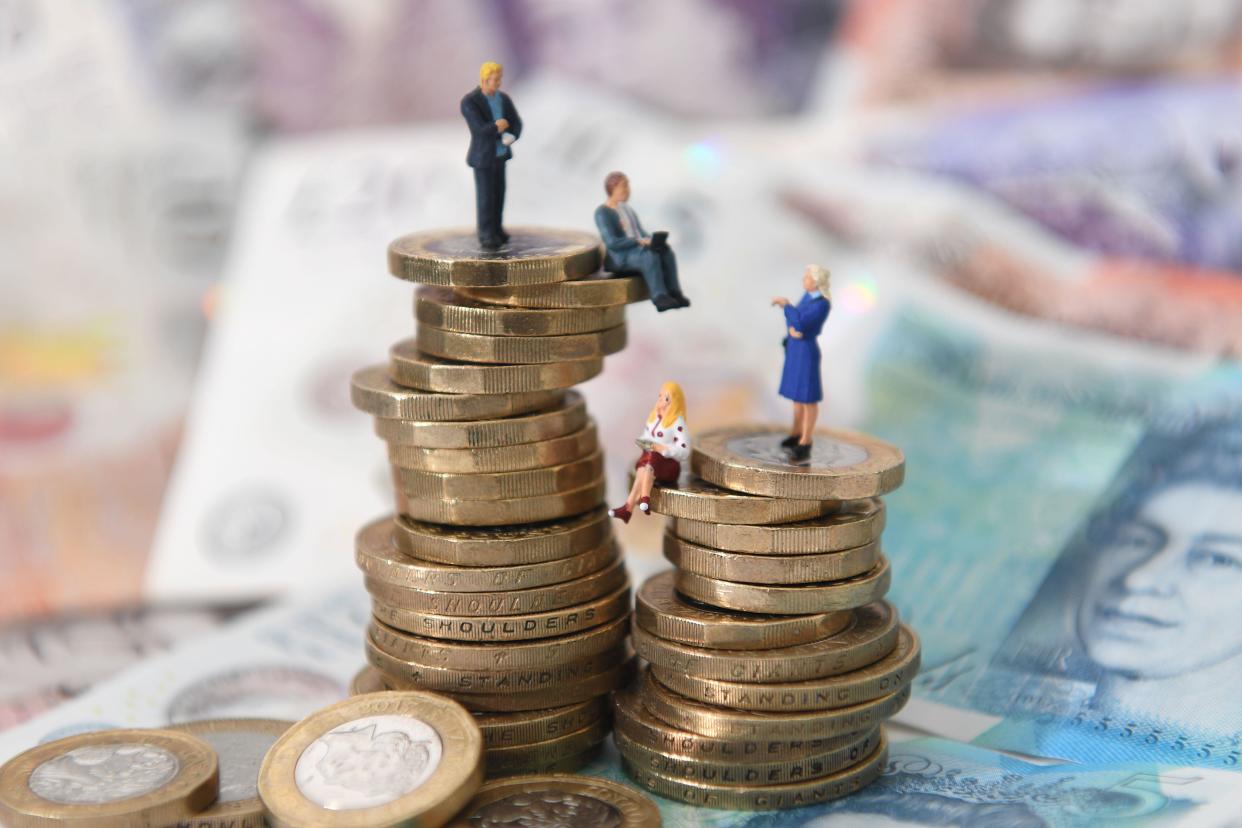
(664, 613)
(393, 758)
(788, 600)
(857, 523)
(240, 745)
(454, 311)
(844, 465)
(809, 568)
(532, 256)
(519, 350)
(503, 545)
(885, 677)
(721, 723)
(854, 748)
(764, 797)
(509, 656)
(507, 627)
(568, 416)
(407, 366)
(598, 290)
(516, 510)
(374, 392)
(500, 485)
(554, 800)
(379, 557)
(111, 777)
(526, 727)
(507, 761)
(698, 500)
(515, 602)
(557, 451)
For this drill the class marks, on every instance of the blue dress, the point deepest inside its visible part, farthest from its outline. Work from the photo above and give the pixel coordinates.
(800, 380)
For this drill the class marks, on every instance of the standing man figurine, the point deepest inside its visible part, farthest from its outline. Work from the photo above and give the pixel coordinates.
(800, 380)
(632, 250)
(494, 126)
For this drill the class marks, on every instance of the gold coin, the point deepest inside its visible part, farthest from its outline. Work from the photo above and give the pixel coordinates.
(507, 761)
(378, 556)
(507, 627)
(871, 637)
(394, 758)
(788, 600)
(514, 602)
(844, 465)
(407, 366)
(532, 256)
(616, 674)
(240, 745)
(500, 485)
(453, 311)
(764, 797)
(478, 513)
(664, 613)
(526, 727)
(855, 747)
(858, 523)
(519, 350)
(374, 392)
(554, 452)
(886, 676)
(721, 723)
(503, 545)
(489, 681)
(367, 680)
(505, 657)
(597, 290)
(637, 723)
(568, 416)
(579, 801)
(109, 777)
(695, 499)
(811, 567)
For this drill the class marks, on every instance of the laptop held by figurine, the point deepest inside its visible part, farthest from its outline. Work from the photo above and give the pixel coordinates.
(659, 241)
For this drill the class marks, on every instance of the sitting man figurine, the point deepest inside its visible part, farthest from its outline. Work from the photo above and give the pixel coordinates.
(632, 250)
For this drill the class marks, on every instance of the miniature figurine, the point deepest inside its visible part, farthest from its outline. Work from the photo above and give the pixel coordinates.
(630, 249)
(665, 442)
(800, 380)
(494, 126)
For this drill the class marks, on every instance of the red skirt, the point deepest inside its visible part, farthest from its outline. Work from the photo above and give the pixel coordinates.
(666, 469)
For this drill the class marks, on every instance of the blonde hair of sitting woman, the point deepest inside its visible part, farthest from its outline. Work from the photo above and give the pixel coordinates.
(676, 404)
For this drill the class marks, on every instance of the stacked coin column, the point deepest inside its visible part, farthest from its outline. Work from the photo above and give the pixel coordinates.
(498, 582)
(772, 656)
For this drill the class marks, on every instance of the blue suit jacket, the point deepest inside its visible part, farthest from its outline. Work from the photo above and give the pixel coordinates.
(483, 133)
(619, 246)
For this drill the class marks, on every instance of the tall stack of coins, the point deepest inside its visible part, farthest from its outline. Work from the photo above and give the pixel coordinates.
(498, 581)
(772, 656)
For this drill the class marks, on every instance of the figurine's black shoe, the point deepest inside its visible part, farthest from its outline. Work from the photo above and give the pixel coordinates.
(800, 453)
(490, 244)
(665, 302)
(790, 441)
(504, 237)
(682, 301)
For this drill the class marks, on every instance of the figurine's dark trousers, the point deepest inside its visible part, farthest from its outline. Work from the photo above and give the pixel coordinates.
(489, 201)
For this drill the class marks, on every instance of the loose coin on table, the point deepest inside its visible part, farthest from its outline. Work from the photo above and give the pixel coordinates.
(519, 350)
(806, 568)
(855, 523)
(532, 256)
(567, 415)
(556, 451)
(503, 545)
(451, 310)
(240, 745)
(374, 392)
(598, 290)
(693, 498)
(665, 614)
(577, 801)
(408, 366)
(844, 465)
(788, 600)
(110, 777)
(380, 759)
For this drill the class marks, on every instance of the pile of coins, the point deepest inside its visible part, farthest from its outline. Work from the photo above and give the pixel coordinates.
(772, 658)
(498, 582)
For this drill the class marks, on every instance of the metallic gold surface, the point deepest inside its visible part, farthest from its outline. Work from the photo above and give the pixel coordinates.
(519, 350)
(597, 290)
(788, 600)
(565, 417)
(533, 255)
(500, 485)
(235, 813)
(477, 513)
(374, 392)
(506, 761)
(451, 310)
(527, 727)
(857, 523)
(503, 545)
(554, 452)
(528, 795)
(813, 567)
(693, 498)
(408, 367)
(367, 680)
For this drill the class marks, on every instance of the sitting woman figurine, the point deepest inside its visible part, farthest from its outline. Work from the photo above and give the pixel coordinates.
(665, 442)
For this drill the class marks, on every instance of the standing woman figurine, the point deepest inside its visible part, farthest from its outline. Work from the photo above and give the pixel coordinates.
(800, 379)
(665, 442)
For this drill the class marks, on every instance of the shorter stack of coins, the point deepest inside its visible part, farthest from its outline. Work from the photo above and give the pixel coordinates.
(498, 582)
(772, 658)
